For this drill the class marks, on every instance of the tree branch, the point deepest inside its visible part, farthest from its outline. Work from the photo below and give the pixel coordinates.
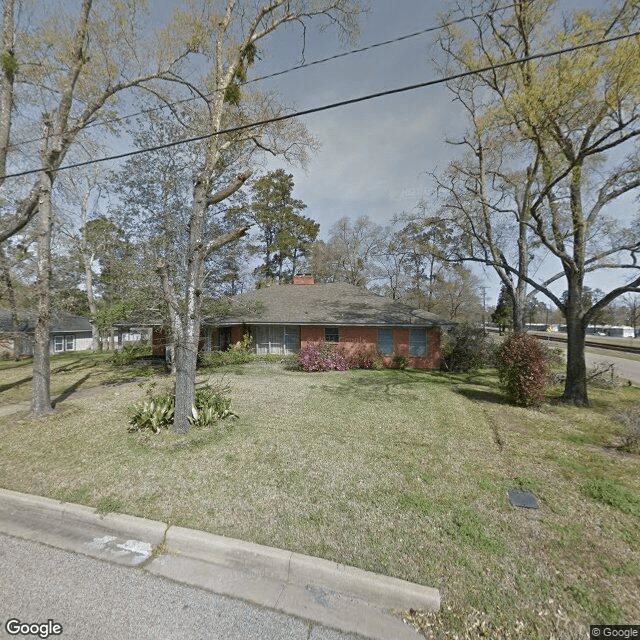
(230, 189)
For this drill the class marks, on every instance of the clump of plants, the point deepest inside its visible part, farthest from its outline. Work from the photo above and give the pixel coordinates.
(465, 348)
(630, 418)
(399, 362)
(131, 353)
(523, 369)
(238, 353)
(156, 412)
(323, 356)
(364, 356)
(210, 407)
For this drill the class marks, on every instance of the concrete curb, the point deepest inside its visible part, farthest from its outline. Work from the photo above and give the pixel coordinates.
(342, 597)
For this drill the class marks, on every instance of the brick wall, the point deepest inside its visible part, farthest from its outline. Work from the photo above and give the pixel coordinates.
(352, 338)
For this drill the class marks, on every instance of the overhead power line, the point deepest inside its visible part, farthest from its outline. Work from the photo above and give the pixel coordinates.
(282, 72)
(335, 105)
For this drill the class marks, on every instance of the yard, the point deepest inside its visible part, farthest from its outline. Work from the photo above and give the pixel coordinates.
(404, 473)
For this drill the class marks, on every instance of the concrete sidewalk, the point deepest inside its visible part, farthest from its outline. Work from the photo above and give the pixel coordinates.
(334, 595)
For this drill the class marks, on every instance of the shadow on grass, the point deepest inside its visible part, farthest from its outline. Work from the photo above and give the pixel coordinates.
(17, 383)
(70, 390)
(82, 363)
(169, 443)
(483, 395)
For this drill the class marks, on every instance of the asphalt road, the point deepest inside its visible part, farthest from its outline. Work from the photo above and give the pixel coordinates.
(96, 600)
(624, 368)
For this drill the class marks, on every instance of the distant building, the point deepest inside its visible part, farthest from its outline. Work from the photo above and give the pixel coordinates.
(68, 333)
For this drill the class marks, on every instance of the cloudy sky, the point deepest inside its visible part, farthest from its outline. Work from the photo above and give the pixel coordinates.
(376, 156)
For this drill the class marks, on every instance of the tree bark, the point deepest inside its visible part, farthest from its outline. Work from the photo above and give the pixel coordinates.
(575, 388)
(87, 260)
(185, 360)
(41, 397)
(6, 90)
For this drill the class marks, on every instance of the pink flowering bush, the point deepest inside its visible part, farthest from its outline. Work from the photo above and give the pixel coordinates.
(323, 356)
(365, 356)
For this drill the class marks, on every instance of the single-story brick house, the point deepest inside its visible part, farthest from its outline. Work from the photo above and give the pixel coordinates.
(283, 318)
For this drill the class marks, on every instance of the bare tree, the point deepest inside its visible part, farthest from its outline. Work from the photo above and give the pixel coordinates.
(564, 116)
(352, 249)
(64, 71)
(229, 46)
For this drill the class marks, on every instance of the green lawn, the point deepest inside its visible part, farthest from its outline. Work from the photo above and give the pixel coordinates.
(400, 472)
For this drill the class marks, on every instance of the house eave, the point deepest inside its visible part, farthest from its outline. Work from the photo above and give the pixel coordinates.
(327, 323)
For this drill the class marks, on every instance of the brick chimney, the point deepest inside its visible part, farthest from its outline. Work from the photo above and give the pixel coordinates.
(304, 280)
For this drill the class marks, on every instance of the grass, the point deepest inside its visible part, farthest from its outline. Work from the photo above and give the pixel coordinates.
(70, 374)
(404, 473)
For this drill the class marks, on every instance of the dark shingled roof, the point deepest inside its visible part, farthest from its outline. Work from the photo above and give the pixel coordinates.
(60, 322)
(322, 304)
(26, 323)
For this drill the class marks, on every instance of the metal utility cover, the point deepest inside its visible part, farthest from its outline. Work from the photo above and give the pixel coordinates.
(523, 498)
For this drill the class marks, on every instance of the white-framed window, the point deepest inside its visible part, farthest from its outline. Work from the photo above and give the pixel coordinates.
(418, 342)
(69, 342)
(332, 334)
(385, 341)
(58, 343)
(277, 339)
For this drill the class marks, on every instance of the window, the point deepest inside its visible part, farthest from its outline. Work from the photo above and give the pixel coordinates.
(332, 334)
(70, 343)
(291, 340)
(385, 341)
(58, 343)
(276, 339)
(418, 342)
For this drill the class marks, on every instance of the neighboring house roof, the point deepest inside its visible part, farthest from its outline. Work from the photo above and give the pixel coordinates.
(322, 304)
(26, 322)
(60, 322)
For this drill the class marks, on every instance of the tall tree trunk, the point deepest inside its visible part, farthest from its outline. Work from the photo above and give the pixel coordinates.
(185, 359)
(93, 307)
(519, 308)
(575, 388)
(41, 397)
(187, 336)
(9, 66)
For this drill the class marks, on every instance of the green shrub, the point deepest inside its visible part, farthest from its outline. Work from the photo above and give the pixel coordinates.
(215, 359)
(523, 369)
(156, 413)
(210, 406)
(399, 362)
(238, 353)
(465, 348)
(131, 353)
